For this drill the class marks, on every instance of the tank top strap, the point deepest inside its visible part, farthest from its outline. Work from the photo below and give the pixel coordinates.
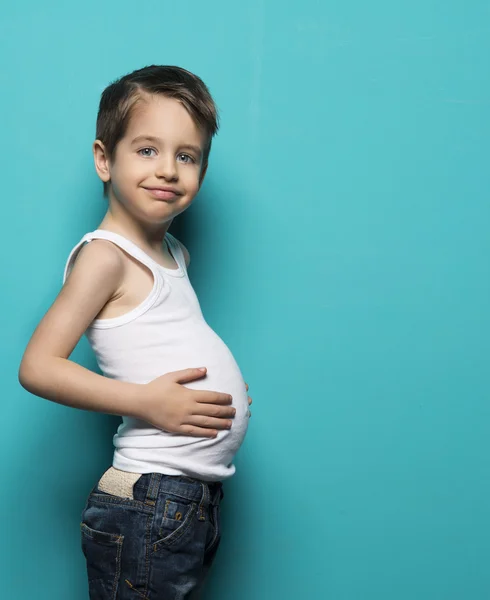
(125, 244)
(177, 251)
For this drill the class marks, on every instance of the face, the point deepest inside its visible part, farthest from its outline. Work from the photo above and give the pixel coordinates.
(157, 167)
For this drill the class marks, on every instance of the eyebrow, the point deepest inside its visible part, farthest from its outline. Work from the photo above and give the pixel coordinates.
(156, 140)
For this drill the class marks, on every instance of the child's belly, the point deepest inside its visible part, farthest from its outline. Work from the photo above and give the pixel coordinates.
(140, 447)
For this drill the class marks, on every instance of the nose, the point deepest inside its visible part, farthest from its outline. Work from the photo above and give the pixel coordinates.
(166, 168)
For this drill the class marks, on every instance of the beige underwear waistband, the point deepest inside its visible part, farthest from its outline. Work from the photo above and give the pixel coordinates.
(118, 483)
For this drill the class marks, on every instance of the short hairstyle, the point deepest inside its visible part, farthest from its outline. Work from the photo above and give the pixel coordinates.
(120, 97)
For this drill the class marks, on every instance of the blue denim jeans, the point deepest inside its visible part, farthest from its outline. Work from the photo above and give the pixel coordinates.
(157, 545)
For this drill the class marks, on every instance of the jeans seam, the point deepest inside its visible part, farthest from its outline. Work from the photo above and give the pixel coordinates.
(118, 501)
(118, 567)
(144, 596)
(149, 527)
(214, 508)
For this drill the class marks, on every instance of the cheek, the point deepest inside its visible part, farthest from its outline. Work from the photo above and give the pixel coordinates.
(130, 166)
(126, 177)
(191, 180)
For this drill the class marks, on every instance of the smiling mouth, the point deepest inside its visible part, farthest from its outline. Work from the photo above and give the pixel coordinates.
(162, 193)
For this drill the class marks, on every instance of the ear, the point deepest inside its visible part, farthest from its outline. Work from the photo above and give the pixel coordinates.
(101, 160)
(204, 168)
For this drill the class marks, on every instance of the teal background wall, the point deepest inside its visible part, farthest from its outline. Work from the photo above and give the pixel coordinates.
(339, 246)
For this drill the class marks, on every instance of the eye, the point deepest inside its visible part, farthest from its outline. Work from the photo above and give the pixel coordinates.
(186, 158)
(143, 152)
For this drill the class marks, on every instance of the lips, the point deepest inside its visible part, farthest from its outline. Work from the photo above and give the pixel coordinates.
(164, 193)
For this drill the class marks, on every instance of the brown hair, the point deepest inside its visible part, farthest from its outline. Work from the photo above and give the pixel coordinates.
(120, 97)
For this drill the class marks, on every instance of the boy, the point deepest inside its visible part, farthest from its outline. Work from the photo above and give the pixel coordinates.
(151, 524)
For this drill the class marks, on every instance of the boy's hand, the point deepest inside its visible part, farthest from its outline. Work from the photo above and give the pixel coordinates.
(168, 405)
(249, 402)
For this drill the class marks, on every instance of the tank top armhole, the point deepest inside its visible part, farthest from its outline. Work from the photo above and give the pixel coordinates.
(136, 253)
(178, 252)
(72, 257)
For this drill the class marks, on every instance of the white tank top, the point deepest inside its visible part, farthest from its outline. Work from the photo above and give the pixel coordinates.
(167, 332)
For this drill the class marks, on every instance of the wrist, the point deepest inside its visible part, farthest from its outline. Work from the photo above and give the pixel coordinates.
(133, 400)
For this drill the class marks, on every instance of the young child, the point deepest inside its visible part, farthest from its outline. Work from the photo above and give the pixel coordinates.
(151, 524)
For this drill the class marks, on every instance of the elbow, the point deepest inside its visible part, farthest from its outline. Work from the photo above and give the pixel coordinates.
(28, 376)
(23, 376)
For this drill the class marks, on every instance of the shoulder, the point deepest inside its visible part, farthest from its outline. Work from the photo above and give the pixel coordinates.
(102, 251)
(99, 257)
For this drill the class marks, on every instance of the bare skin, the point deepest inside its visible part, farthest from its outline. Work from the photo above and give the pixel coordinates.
(106, 282)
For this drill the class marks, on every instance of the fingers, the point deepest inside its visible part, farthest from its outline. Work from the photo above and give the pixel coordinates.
(187, 375)
(208, 397)
(198, 431)
(205, 397)
(212, 410)
(246, 385)
(210, 422)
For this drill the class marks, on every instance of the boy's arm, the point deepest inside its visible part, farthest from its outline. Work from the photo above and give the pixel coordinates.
(45, 369)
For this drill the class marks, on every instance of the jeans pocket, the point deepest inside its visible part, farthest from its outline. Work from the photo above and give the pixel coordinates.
(103, 555)
(177, 519)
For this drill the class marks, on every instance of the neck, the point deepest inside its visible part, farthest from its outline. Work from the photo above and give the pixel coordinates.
(143, 234)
